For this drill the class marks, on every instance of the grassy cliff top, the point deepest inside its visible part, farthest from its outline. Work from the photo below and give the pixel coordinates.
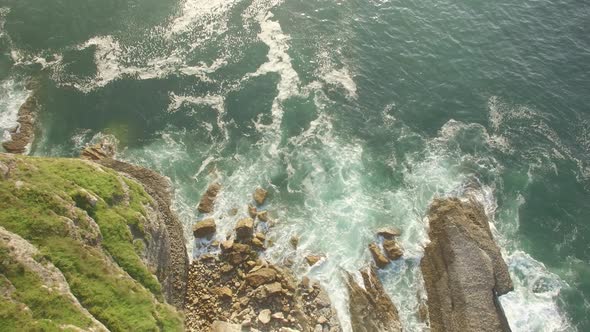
(87, 222)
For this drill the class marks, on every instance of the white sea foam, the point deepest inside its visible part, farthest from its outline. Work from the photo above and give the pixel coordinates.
(215, 101)
(12, 96)
(207, 15)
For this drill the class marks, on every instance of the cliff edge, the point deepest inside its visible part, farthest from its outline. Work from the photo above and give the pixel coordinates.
(85, 247)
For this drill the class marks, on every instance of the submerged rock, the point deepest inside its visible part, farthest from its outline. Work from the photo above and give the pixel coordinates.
(463, 269)
(370, 308)
(380, 260)
(313, 259)
(208, 200)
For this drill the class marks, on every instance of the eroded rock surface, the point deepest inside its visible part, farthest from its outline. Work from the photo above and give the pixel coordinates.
(463, 269)
(371, 310)
(208, 200)
(22, 136)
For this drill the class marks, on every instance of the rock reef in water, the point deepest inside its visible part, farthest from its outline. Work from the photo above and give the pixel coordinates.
(463, 269)
(22, 136)
(370, 307)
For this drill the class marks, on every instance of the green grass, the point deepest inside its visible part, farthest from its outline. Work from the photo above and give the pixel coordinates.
(50, 197)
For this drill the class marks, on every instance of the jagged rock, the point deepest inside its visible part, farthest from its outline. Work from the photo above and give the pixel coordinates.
(257, 243)
(262, 276)
(378, 256)
(260, 196)
(104, 149)
(204, 228)
(313, 259)
(264, 316)
(370, 308)
(389, 232)
(392, 249)
(245, 228)
(208, 200)
(219, 326)
(463, 269)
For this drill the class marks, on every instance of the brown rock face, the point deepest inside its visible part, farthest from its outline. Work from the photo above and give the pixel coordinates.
(378, 256)
(204, 228)
(392, 249)
(208, 200)
(463, 270)
(371, 310)
(98, 151)
(245, 228)
(260, 196)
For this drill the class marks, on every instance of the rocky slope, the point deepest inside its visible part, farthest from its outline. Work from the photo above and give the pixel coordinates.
(84, 247)
(463, 269)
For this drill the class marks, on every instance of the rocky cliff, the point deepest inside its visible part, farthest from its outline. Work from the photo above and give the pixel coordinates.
(85, 247)
(463, 269)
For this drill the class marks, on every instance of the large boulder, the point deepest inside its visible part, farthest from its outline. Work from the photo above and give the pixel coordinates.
(392, 249)
(245, 229)
(204, 228)
(262, 276)
(463, 269)
(370, 308)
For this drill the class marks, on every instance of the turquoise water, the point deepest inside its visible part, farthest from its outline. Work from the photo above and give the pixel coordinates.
(354, 114)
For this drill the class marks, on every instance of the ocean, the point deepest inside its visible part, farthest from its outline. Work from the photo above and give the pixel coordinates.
(353, 114)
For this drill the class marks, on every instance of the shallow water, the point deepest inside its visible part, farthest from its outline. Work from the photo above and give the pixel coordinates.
(354, 114)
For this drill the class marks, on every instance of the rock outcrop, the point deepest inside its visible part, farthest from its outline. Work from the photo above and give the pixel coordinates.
(463, 269)
(370, 308)
(22, 136)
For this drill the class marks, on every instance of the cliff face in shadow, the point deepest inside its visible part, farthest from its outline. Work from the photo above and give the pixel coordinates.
(463, 269)
(83, 246)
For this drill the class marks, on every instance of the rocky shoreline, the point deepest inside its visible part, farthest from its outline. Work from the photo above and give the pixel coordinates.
(233, 288)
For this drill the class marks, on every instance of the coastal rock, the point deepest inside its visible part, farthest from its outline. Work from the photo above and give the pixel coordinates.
(260, 277)
(208, 199)
(370, 308)
(263, 216)
(22, 136)
(245, 228)
(389, 232)
(260, 196)
(102, 150)
(463, 269)
(380, 260)
(392, 249)
(313, 259)
(204, 228)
